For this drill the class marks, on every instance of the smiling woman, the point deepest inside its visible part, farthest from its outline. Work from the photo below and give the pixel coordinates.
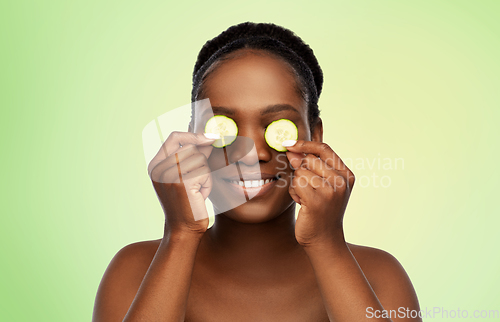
(256, 263)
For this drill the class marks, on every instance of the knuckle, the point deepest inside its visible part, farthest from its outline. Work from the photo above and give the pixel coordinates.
(174, 135)
(155, 173)
(339, 183)
(346, 167)
(151, 168)
(310, 159)
(352, 177)
(324, 147)
(166, 177)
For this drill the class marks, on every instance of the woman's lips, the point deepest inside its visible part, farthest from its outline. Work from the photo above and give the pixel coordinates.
(253, 191)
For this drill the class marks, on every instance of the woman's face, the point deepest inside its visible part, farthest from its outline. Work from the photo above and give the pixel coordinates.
(254, 89)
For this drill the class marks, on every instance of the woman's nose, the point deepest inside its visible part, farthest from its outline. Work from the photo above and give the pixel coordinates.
(250, 148)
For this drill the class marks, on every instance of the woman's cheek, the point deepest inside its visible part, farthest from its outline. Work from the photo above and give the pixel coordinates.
(284, 180)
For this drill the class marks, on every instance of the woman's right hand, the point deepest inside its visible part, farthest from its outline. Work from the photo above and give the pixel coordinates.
(181, 178)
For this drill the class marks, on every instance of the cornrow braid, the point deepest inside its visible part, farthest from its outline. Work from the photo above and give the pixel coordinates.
(274, 39)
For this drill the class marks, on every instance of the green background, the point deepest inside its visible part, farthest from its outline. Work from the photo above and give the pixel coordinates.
(417, 80)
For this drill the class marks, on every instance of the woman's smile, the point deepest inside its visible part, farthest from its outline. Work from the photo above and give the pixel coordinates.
(252, 187)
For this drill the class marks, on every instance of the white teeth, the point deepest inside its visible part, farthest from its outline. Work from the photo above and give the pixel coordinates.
(251, 183)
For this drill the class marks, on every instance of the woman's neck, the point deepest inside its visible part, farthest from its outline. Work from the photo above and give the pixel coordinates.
(252, 248)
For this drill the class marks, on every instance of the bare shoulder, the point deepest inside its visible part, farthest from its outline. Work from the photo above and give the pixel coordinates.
(375, 262)
(386, 275)
(122, 279)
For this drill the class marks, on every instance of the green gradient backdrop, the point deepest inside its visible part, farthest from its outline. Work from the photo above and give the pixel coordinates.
(416, 80)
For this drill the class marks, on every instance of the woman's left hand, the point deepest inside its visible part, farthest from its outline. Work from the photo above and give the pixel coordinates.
(322, 185)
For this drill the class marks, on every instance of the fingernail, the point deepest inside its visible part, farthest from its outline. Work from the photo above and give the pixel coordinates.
(212, 136)
(288, 143)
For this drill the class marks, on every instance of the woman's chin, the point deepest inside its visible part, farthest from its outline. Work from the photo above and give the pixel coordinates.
(255, 212)
(250, 204)
(248, 217)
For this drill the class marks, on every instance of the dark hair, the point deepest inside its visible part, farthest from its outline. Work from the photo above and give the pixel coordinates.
(275, 40)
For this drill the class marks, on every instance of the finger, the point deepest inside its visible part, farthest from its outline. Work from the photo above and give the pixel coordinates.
(319, 149)
(338, 182)
(295, 159)
(301, 186)
(331, 175)
(333, 179)
(318, 187)
(291, 190)
(317, 166)
(311, 178)
(199, 175)
(294, 195)
(205, 149)
(173, 159)
(177, 140)
(174, 174)
(192, 163)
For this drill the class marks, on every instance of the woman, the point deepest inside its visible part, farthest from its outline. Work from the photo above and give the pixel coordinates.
(256, 263)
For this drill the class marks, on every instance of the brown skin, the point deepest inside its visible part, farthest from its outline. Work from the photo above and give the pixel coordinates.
(256, 263)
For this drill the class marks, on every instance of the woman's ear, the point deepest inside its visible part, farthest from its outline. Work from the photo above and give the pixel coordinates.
(317, 132)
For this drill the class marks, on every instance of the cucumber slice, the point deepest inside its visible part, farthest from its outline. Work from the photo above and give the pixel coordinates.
(225, 127)
(279, 131)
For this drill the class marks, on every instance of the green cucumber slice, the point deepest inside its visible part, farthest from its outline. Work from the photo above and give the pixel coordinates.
(279, 131)
(225, 127)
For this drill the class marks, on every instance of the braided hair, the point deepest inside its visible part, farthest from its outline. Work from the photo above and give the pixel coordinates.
(280, 42)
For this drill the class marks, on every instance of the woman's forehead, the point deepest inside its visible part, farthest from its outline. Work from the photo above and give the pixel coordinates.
(252, 80)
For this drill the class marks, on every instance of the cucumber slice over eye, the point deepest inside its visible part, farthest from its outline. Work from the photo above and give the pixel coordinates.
(279, 131)
(225, 127)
